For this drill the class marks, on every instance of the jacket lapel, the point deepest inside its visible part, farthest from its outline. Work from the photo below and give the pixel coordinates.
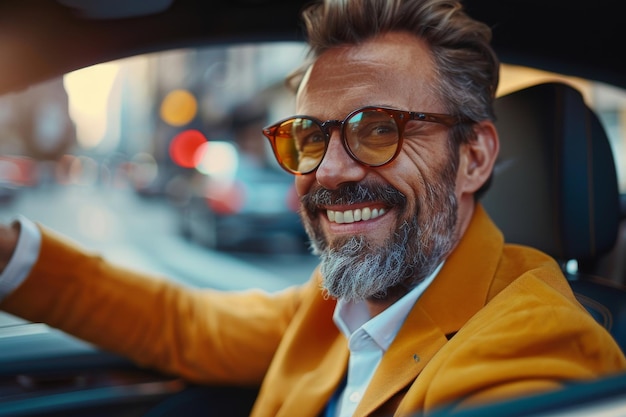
(309, 364)
(416, 343)
(459, 291)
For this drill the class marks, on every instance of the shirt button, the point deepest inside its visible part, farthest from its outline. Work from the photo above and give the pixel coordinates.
(355, 397)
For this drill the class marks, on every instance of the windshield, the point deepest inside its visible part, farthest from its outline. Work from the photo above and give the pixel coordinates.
(159, 162)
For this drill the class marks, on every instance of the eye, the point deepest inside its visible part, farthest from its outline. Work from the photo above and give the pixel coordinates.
(314, 138)
(310, 140)
(379, 128)
(374, 133)
(372, 123)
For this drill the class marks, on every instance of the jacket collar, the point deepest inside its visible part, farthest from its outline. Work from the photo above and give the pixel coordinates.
(459, 291)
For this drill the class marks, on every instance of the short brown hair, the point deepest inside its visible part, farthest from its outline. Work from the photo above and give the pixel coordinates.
(460, 45)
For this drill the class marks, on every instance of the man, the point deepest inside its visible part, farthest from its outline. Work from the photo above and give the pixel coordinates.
(417, 303)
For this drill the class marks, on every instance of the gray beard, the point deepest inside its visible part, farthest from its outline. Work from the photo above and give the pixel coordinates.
(354, 270)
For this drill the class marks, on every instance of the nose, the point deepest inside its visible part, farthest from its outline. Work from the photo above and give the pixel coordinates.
(337, 166)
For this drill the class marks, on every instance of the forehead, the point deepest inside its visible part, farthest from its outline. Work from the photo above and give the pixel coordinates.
(395, 70)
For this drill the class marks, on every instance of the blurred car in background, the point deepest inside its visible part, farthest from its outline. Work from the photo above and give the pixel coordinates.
(191, 132)
(236, 202)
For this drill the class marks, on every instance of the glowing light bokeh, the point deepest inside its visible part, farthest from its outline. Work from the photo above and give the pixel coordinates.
(179, 107)
(183, 148)
(217, 159)
(88, 90)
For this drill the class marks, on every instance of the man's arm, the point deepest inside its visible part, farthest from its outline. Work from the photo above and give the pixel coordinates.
(201, 334)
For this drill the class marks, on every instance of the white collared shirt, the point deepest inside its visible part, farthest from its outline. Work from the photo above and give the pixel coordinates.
(368, 340)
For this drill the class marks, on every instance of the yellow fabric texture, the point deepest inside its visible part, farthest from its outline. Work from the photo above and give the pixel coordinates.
(498, 321)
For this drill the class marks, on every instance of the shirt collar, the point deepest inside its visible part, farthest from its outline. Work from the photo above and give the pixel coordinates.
(350, 316)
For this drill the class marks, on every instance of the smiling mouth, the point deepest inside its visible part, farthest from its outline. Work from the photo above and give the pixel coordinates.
(352, 216)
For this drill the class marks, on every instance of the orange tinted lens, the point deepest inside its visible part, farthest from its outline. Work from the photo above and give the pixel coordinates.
(300, 144)
(372, 136)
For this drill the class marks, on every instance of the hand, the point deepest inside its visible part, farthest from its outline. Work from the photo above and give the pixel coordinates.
(9, 235)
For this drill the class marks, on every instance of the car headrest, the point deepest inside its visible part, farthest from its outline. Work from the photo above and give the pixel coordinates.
(555, 183)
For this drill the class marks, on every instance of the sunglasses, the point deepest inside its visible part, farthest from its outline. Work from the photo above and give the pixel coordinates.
(371, 135)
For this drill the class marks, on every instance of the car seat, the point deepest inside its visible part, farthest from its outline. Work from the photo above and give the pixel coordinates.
(555, 188)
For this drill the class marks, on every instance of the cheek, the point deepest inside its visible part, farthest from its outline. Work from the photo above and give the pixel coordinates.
(304, 183)
(417, 178)
(406, 174)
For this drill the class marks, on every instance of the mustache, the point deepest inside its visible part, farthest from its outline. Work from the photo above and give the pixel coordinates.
(352, 193)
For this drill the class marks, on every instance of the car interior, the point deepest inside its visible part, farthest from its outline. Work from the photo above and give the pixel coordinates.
(555, 186)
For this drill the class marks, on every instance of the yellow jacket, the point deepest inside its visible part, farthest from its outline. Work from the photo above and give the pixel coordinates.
(499, 320)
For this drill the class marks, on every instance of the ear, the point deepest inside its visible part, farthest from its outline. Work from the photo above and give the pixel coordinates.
(477, 158)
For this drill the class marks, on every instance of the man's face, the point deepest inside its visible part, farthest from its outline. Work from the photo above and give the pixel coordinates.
(408, 207)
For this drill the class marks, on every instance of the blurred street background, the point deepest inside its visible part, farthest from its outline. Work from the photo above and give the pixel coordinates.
(142, 233)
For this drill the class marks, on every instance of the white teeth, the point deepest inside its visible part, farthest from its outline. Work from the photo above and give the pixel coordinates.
(351, 216)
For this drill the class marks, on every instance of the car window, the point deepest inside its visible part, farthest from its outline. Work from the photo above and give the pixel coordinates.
(158, 160)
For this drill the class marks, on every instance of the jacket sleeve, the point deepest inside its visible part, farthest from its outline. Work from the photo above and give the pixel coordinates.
(202, 335)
